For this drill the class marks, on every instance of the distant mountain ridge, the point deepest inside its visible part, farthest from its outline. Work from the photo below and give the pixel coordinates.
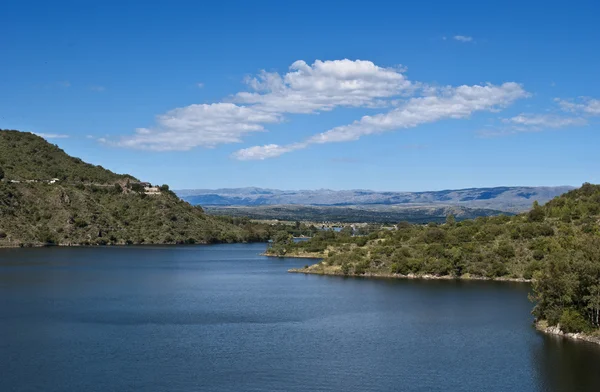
(505, 198)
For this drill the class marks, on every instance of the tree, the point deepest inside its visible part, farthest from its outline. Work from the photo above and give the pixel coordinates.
(593, 304)
(450, 220)
(537, 213)
(137, 187)
(554, 289)
(571, 321)
(283, 238)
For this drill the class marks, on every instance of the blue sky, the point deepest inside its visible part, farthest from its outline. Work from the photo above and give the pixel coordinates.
(381, 95)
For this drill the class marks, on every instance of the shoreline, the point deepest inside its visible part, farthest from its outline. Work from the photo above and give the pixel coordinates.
(314, 257)
(542, 326)
(35, 246)
(389, 275)
(30, 246)
(410, 276)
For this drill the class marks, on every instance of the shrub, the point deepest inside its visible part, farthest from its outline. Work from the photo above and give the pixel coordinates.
(434, 235)
(80, 223)
(401, 267)
(571, 321)
(361, 268)
(505, 250)
(537, 214)
(346, 268)
(137, 187)
(361, 241)
(538, 254)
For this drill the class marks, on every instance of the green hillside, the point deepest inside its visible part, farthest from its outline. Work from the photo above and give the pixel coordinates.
(25, 156)
(557, 245)
(90, 205)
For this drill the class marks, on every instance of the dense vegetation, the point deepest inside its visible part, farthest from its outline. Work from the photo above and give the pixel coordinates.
(558, 245)
(25, 156)
(93, 206)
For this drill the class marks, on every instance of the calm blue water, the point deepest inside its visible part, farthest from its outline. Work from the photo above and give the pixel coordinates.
(223, 318)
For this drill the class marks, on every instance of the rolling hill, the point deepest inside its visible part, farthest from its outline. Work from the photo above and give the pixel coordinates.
(49, 197)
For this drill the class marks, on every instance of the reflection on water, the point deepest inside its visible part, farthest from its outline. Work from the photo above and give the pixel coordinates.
(224, 318)
(565, 365)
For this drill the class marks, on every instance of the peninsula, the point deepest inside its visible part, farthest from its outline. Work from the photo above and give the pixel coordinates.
(555, 246)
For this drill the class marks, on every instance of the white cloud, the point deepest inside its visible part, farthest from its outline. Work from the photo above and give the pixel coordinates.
(448, 103)
(463, 38)
(51, 135)
(204, 125)
(264, 152)
(544, 121)
(313, 88)
(200, 85)
(98, 89)
(323, 86)
(583, 105)
(532, 122)
(459, 102)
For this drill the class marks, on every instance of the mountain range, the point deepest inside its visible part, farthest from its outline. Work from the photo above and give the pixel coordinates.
(507, 198)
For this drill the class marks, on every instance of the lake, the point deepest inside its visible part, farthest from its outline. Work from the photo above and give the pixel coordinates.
(224, 318)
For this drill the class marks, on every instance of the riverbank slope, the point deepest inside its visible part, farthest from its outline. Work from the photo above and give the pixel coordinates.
(50, 198)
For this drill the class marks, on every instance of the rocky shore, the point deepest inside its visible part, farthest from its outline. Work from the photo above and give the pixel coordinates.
(296, 256)
(555, 330)
(338, 272)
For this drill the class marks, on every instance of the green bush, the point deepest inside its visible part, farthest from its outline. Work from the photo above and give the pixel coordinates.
(571, 321)
(401, 266)
(505, 250)
(361, 267)
(346, 268)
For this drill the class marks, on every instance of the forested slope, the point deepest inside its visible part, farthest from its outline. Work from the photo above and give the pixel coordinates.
(90, 205)
(557, 245)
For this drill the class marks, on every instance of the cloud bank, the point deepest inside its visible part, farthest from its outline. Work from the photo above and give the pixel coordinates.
(583, 105)
(448, 103)
(323, 86)
(305, 89)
